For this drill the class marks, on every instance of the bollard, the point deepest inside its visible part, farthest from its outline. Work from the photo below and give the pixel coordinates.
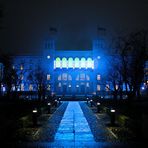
(98, 107)
(56, 103)
(91, 101)
(59, 100)
(112, 116)
(87, 100)
(34, 117)
(49, 108)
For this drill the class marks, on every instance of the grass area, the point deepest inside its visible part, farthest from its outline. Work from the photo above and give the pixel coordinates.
(16, 118)
(131, 118)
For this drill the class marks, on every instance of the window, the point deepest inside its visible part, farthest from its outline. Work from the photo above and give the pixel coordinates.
(48, 87)
(87, 78)
(70, 63)
(98, 88)
(83, 63)
(59, 78)
(57, 63)
(77, 78)
(69, 77)
(59, 85)
(77, 63)
(82, 77)
(64, 76)
(22, 87)
(48, 77)
(87, 84)
(30, 87)
(90, 63)
(98, 77)
(64, 63)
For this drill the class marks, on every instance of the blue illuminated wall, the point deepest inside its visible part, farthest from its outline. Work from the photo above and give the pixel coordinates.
(68, 72)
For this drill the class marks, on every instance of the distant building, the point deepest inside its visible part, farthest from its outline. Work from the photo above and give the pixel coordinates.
(68, 72)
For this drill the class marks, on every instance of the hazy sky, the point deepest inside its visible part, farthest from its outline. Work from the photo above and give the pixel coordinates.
(26, 23)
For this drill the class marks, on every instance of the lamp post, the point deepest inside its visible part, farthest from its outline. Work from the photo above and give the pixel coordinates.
(59, 100)
(56, 103)
(98, 107)
(49, 108)
(112, 116)
(87, 100)
(34, 117)
(91, 101)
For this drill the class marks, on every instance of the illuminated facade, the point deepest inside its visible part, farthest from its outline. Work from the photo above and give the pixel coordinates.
(68, 72)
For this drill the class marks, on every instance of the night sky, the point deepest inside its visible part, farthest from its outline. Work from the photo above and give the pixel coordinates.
(25, 23)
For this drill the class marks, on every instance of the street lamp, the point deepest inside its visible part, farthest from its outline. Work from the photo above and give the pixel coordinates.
(56, 103)
(98, 107)
(34, 116)
(49, 107)
(91, 101)
(87, 100)
(112, 116)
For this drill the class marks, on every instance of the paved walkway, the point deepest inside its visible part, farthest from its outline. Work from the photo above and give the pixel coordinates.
(74, 126)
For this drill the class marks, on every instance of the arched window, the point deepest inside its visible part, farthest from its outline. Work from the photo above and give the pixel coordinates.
(89, 63)
(59, 77)
(83, 63)
(87, 78)
(69, 77)
(70, 63)
(57, 63)
(64, 76)
(64, 63)
(77, 63)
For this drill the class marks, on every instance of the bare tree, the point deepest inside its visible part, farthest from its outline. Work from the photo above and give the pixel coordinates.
(133, 53)
(38, 77)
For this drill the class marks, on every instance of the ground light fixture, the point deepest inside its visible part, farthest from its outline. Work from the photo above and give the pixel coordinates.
(56, 101)
(91, 102)
(112, 116)
(98, 107)
(49, 107)
(87, 100)
(34, 111)
(34, 117)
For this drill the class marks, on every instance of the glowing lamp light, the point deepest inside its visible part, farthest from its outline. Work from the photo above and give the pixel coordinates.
(4, 89)
(49, 104)
(112, 110)
(77, 85)
(48, 57)
(91, 100)
(98, 103)
(56, 100)
(98, 57)
(69, 86)
(35, 111)
(143, 88)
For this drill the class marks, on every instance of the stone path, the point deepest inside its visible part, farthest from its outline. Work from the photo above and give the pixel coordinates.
(74, 126)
